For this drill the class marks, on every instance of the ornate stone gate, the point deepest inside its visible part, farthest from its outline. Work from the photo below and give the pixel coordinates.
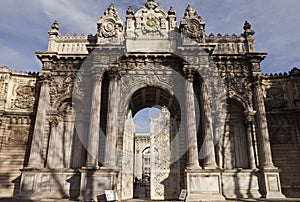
(91, 86)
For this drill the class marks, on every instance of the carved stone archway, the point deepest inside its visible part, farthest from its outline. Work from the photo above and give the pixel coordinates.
(166, 168)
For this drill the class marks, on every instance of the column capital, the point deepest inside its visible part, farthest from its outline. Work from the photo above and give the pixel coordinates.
(115, 72)
(45, 77)
(257, 80)
(188, 72)
(250, 116)
(97, 76)
(54, 120)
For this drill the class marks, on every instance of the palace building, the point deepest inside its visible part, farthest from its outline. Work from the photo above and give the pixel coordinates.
(225, 130)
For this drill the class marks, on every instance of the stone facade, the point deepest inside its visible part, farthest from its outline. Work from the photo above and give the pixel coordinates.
(68, 131)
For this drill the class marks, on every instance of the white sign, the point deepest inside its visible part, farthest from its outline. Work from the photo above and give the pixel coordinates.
(111, 195)
(182, 195)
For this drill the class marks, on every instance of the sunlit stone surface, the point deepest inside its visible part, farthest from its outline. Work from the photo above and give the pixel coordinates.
(224, 130)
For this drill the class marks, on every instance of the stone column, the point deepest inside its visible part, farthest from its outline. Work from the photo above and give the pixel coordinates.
(262, 127)
(209, 151)
(37, 157)
(270, 181)
(52, 147)
(191, 132)
(255, 142)
(249, 123)
(94, 127)
(110, 159)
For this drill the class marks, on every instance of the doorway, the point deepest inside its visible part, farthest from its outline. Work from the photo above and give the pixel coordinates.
(152, 170)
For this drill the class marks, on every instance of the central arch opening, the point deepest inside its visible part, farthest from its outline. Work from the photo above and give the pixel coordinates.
(156, 165)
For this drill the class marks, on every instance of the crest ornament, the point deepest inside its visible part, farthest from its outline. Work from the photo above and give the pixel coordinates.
(192, 25)
(110, 24)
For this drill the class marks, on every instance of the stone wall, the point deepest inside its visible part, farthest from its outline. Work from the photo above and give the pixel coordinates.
(18, 92)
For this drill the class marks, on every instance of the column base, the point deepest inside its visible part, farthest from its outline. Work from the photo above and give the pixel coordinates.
(241, 183)
(49, 183)
(270, 183)
(95, 181)
(203, 185)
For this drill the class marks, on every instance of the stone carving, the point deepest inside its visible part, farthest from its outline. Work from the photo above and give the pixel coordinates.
(127, 162)
(18, 136)
(151, 21)
(164, 173)
(65, 86)
(237, 83)
(25, 97)
(110, 25)
(275, 98)
(128, 81)
(4, 77)
(281, 135)
(192, 25)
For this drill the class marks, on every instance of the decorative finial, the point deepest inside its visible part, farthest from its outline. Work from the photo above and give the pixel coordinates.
(247, 25)
(130, 11)
(190, 11)
(112, 10)
(55, 25)
(151, 4)
(172, 11)
(247, 28)
(54, 29)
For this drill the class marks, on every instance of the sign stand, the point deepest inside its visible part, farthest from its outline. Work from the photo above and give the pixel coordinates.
(111, 195)
(182, 195)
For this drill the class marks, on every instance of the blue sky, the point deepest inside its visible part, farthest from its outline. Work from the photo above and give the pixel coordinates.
(24, 25)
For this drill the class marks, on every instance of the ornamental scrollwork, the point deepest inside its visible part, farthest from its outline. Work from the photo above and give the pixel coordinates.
(128, 81)
(65, 86)
(24, 97)
(238, 84)
(110, 24)
(18, 136)
(275, 98)
(192, 25)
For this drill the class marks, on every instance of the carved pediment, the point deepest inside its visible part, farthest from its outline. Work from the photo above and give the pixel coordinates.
(150, 18)
(110, 25)
(192, 25)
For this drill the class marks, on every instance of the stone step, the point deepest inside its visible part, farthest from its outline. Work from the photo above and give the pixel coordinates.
(11, 162)
(13, 155)
(11, 168)
(13, 147)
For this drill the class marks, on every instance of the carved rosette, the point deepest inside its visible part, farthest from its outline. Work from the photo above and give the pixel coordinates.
(110, 25)
(192, 25)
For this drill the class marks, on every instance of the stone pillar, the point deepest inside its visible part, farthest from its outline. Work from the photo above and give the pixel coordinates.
(37, 157)
(209, 151)
(249, 123)
(110, 159)
(199, 183)
(262, 127)
(191, 131)
(53, 150)
(269, 180)
(94, 127)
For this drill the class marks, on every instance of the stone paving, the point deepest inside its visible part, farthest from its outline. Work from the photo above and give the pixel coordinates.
(142, 200)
